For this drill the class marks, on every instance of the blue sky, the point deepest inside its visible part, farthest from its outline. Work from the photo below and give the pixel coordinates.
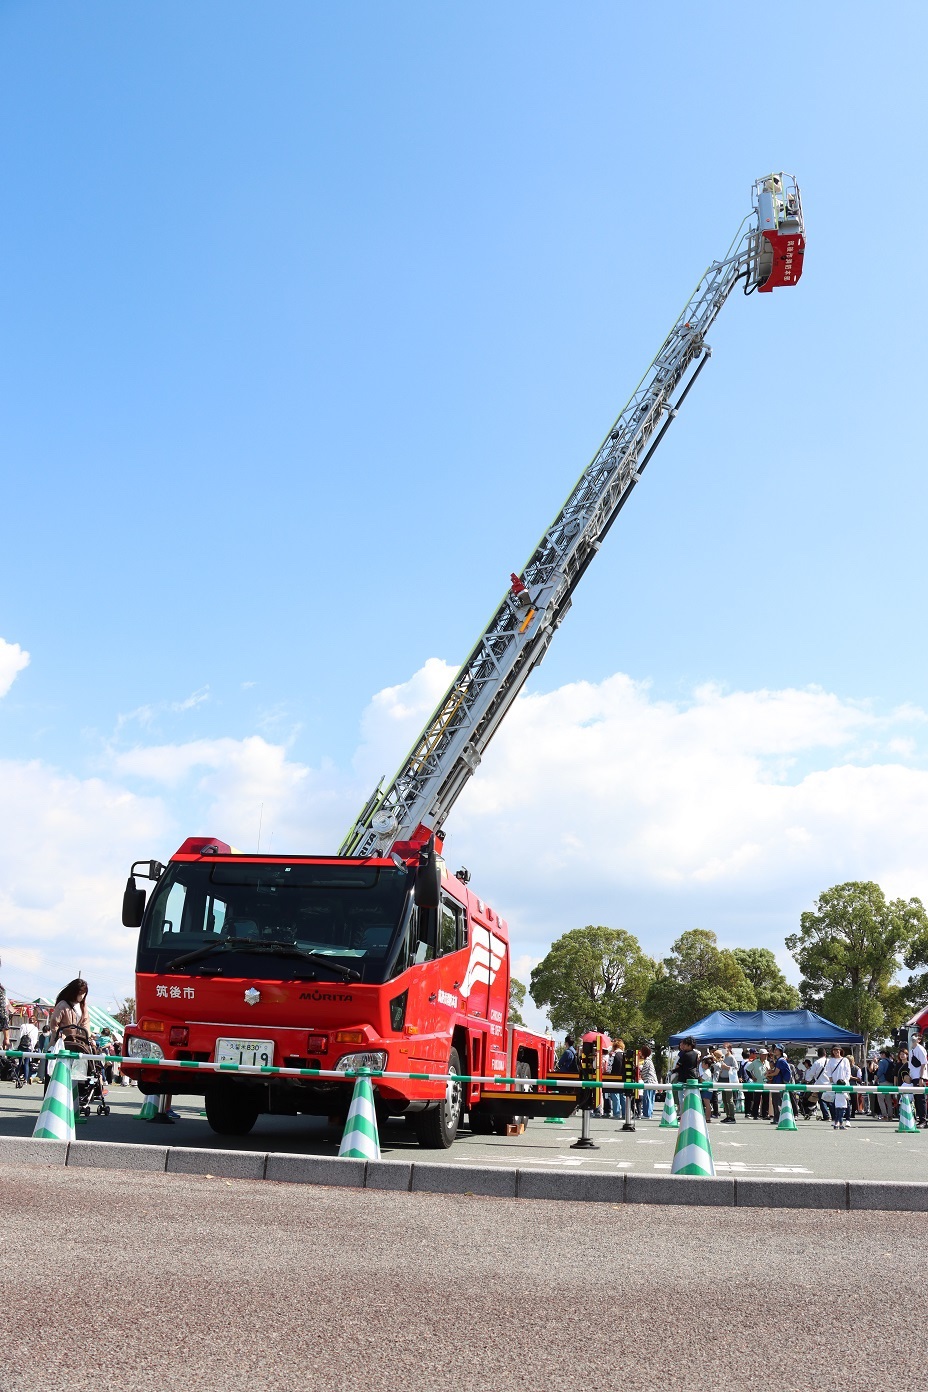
(309, 317)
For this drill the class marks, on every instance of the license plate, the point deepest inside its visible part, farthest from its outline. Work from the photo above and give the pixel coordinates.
(256, 1053)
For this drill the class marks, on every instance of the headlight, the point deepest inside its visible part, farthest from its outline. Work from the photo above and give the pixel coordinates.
(144, 1048)
(377, 1058)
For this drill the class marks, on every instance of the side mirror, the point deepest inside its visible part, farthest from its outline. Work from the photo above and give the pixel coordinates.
(427, 892)
(133, 905)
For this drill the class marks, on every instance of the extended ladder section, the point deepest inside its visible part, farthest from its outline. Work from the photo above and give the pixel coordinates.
(767, 252)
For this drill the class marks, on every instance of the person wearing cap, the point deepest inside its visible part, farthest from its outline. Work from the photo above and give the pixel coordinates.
(686, 1068)
(779, 1073)
(758, 1071)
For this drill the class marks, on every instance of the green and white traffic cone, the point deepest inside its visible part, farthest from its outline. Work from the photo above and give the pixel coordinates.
(56, 1119)
(149, 1109)
(693, 1154)
(669, 1119)
(360, 1140)
(906, 1113)
(787, 1120)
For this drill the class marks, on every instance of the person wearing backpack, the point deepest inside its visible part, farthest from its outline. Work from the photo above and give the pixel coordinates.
(27, 1041)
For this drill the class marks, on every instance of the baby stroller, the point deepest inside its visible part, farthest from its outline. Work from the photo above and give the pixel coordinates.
(10, 1070)
(87, 1074)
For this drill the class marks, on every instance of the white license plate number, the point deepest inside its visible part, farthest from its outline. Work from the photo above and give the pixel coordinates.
(256, 1053)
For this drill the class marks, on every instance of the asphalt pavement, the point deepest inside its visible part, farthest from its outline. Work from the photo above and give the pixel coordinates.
(869, 1150)
(137, 1282)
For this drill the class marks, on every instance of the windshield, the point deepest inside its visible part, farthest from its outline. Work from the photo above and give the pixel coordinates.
(341, 918)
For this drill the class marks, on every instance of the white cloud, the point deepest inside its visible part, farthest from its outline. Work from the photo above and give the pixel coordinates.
(65, 848)
(600, 803)
(595, 803)
(12, 662)
(196, 698)
(394, 717)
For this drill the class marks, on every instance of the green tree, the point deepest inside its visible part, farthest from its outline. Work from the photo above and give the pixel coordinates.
(125, 1013)
(851, 947)
(771, 987)
(594, 978)
(516, 1001)
(697, 978)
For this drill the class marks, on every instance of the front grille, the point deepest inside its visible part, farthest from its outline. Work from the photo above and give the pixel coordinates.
(193, 1056)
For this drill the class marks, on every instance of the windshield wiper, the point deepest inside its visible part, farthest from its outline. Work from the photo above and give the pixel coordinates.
(273, 949)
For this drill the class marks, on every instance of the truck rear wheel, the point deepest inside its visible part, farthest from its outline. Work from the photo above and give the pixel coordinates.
(232, 1111)
(437, 1128)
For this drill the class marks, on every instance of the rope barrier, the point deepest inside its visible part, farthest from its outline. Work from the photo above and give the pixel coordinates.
(555, 1084)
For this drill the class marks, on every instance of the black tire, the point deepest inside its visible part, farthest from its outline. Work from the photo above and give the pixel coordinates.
(523, 1070)
(437, 1128)
(232, 1111)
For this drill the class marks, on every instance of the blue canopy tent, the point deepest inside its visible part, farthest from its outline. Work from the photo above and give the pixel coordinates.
(766, 1027)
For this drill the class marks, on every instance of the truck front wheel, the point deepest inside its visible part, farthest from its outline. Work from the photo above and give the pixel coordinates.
(232, 1111)
(437, 1128)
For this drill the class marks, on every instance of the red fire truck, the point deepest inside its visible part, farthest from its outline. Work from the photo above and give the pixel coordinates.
(382, 962)
(377, 957)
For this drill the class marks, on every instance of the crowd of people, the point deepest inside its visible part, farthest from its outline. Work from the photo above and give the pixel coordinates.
(68, 1021)
(817, 1067)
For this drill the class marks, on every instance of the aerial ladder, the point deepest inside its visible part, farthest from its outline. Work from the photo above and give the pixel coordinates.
(767, 252)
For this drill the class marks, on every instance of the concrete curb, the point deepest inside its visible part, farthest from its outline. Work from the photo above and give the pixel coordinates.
(571, 1186)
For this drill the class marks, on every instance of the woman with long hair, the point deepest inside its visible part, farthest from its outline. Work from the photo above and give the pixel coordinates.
(70, 1012)
(70, 1008)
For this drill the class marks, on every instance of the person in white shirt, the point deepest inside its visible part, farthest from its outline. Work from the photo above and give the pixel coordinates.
(817, 1075)
(918, 1064)
(26, 1041)
(728, 1073)
(838, 1070)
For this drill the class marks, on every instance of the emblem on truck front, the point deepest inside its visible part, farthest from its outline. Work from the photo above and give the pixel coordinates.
(252, 996)
(486, 953)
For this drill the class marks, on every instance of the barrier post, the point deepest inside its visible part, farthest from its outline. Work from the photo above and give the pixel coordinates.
(588, 1068)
